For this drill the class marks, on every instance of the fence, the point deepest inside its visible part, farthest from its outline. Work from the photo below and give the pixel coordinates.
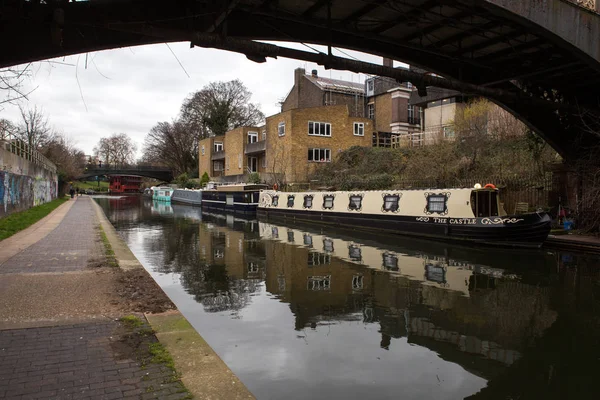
(533, 190)
(19, 147)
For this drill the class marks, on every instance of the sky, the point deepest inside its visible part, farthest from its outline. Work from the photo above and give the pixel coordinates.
(129, 90)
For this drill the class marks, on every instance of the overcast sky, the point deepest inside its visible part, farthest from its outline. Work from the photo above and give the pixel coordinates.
(131, 89)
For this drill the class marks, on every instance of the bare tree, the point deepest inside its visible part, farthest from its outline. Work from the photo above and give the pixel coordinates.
(34, 128)
(69, 160)
(6, 128)
(220, 107)
(173, 144)
(117, 150)
(11, 84)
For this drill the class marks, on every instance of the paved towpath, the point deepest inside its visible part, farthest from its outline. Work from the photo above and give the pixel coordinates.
(60, 336)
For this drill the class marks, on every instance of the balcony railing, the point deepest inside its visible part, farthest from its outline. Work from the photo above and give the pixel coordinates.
(218, 155)
(256, 147)
(19, 147)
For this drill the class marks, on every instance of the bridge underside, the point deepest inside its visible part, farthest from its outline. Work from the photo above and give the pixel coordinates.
(482, 42)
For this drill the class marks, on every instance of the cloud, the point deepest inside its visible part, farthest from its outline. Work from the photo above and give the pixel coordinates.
(129, 90)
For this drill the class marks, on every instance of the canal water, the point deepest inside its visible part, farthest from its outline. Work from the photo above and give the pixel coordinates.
(302, 312)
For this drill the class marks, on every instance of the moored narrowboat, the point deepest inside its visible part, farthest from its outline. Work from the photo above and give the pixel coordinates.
(238, 198)
(187, 196)
(469, 215)
(162, 193)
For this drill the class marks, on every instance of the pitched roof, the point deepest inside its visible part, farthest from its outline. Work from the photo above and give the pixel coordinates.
(337, 85)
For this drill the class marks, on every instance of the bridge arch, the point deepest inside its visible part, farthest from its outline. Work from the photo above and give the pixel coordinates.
(532, 50)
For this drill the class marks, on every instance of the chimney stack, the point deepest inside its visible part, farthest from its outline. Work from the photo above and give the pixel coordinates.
(314, 73)
(388, 62)
(298, 74)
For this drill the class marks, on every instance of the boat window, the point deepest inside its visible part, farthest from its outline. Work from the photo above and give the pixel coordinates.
(290, 202)
(308, 201)
(316, 258)
(307, 240)
(484, 203)
(275, 201)
(252, 267)
(290, 235)
(390, 202)
(328, 245)
(275, 232)
(328, 201)
(390, 262)
(355, 202)
(354, 253)
(436, 203)
(229, 200)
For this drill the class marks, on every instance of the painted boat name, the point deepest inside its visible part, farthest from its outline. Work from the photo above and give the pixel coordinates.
(453, 221)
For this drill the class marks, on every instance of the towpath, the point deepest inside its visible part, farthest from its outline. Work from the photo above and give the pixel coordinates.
(71, 328)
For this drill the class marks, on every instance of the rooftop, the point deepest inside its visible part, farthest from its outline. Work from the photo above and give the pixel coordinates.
(336, 85)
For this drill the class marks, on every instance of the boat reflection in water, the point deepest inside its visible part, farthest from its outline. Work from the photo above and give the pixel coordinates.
(297, 311)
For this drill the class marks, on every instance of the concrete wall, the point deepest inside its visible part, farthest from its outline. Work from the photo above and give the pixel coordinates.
(24, 184)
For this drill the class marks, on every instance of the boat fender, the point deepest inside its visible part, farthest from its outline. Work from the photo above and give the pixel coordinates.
(489, 186)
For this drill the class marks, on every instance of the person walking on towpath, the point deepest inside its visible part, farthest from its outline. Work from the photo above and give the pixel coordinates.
(72, 192)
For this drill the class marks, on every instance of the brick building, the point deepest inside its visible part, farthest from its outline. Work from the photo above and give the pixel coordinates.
(311, 91)
(287, 148)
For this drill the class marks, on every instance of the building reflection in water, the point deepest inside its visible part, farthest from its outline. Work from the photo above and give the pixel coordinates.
(499, 314)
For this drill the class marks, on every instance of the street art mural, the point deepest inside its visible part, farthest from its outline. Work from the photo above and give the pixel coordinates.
(20, 192)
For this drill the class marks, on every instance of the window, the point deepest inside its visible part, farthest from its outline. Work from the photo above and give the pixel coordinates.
(203, 151)
(307, 240)
(328, 201)
(448, 131)
(275, 232)
(218, 166)
(390, 202)
(308, 200)
(409, 85)
(328, 245)
(239, 161)
(371, 111)
(319, 128)
(290, 235)
(281, 129)
(218, 146)
(370, 84)
(227, 162)
(315, 258)
(252, 137)
(264, 161)
(357, 282)
(436, 203)
(275, 201)
(319, 155)
(355, 202)
(390, 262)
(359, 129)
(290, 201)
(319, 282)
(354, 253)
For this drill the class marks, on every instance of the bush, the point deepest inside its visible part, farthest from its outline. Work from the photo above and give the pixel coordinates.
(182, 180)
(254, 178)
(204, 180)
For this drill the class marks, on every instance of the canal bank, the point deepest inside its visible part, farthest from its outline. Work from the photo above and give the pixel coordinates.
(66, 327)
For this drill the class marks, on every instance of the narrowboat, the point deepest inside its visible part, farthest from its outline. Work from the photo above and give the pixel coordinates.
(187, 196)
(162, 193)
(468, 215)
(237, 198)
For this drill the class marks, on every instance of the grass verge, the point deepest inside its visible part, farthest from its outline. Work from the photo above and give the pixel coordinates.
(108, 251)
(18, 221)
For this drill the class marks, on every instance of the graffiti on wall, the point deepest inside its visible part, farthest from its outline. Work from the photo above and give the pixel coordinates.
(20, 192)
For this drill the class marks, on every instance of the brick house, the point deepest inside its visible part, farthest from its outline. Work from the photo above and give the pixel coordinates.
(288, 148)
(311, 91)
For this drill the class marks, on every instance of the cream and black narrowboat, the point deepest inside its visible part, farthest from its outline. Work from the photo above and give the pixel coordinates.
(472, 215)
